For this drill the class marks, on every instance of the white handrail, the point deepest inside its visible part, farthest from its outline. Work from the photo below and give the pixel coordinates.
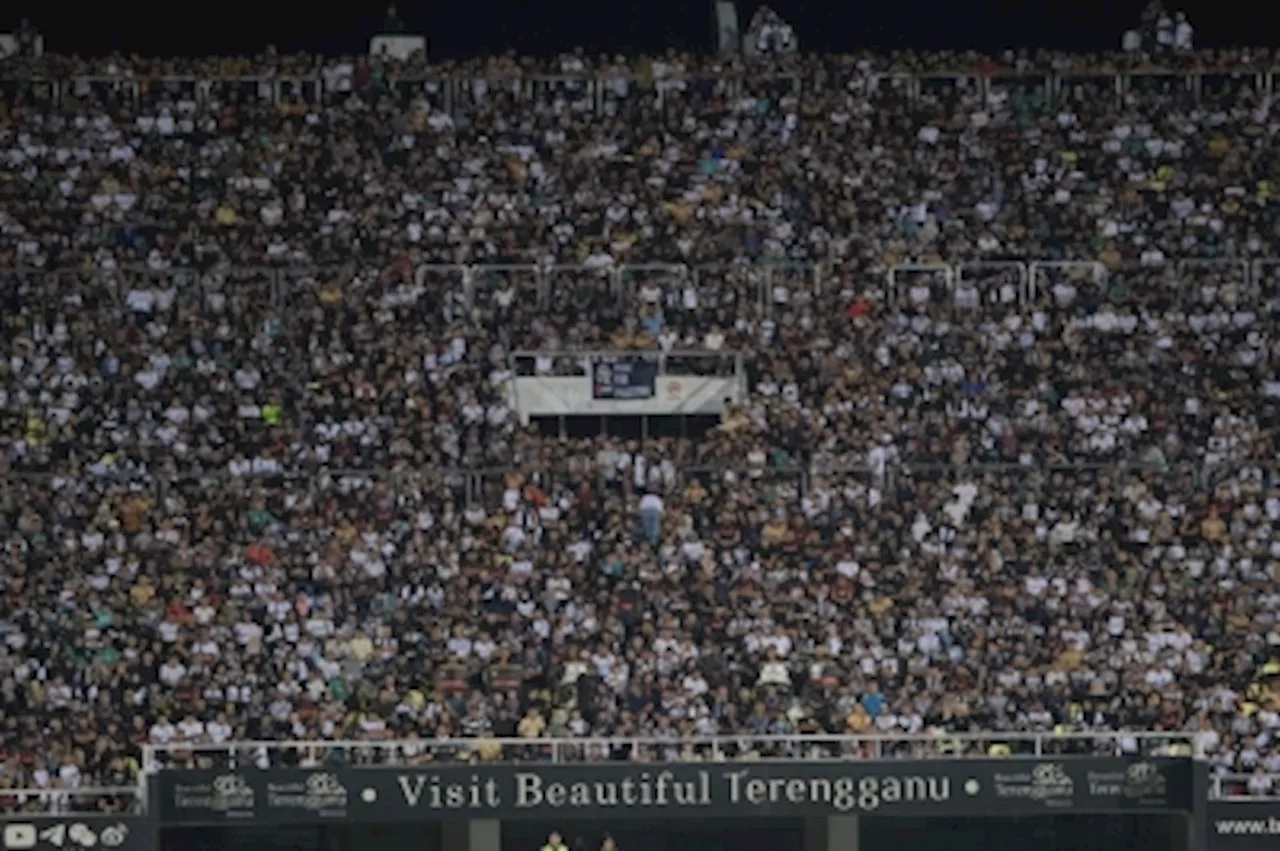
(807, 746)
(1250, 275)
(1095, 270)
(891, 294)
(1022, 269)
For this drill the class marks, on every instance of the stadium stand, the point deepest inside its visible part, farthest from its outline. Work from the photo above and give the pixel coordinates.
(1006, 467)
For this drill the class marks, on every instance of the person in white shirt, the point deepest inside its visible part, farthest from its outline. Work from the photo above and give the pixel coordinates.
(774, 672)
(651, 509)
(1164, 33)
(1183, 34)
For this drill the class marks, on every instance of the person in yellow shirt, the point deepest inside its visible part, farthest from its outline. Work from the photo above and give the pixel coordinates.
(532, 725)
(555, 843)
(226, 216)
(858, 721)
(37, 432)
(361, 647)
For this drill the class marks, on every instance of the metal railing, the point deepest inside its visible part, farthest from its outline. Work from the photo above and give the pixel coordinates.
(913, 284)
(261, 297)
(264, 754)
(282, 292)
(459, 92)
(673, 362)
(1046, 284)
(472, 486)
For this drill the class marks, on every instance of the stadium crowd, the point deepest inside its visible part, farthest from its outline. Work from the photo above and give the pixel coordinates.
(262, 478)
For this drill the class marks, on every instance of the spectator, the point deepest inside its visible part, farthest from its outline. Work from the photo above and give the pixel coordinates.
(28, 39)
(651, 510)
(391, 24)
(1183, 35)
(771, 35)
(1166, 33)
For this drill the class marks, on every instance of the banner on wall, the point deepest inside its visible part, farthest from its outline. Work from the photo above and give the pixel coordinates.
(775, 789)
(728, 35)
(624, 378)
(1244, 825)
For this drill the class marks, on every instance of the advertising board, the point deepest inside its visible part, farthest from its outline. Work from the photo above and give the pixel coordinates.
(678, 790)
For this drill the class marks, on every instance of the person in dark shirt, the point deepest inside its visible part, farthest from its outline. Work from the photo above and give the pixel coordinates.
(392, 24)
(27, 39)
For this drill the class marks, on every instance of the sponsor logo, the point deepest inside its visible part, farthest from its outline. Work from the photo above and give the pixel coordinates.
(1145, 780)
(230, 785)
(229, 794)
(320, 793)
(1047, 783)
(1142, 783)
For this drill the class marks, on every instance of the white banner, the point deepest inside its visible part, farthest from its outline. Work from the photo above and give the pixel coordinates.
(729, 37)
(397, 46)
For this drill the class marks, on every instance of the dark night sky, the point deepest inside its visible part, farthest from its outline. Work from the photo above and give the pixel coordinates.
(468, 27)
